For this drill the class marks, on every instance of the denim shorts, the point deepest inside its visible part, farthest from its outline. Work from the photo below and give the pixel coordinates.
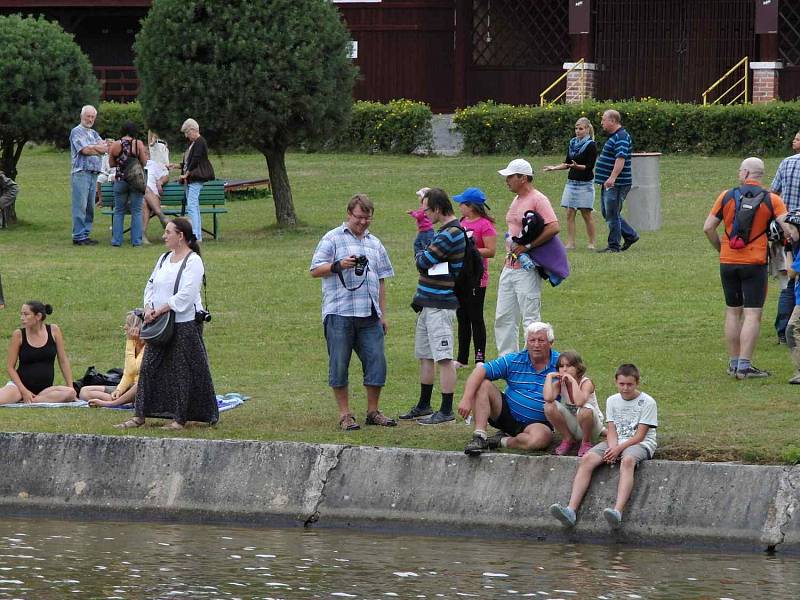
(362, 334)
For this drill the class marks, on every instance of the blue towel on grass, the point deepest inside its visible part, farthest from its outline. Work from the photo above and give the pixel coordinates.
(225, 402)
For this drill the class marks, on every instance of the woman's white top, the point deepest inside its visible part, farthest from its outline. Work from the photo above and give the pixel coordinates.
(160, 287)
(159, 153)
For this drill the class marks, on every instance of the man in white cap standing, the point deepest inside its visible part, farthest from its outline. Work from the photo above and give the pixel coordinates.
(519, 293)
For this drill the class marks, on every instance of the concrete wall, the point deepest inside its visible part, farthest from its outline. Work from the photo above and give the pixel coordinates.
(745, 506)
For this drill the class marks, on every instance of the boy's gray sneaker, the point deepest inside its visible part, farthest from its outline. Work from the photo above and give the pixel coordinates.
(564, 514)
(750, 373)
(613, 517)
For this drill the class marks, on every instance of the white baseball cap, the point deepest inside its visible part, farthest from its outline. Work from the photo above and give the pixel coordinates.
(518, 166)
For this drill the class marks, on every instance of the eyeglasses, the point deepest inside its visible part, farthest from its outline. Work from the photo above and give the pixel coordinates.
(365, 218)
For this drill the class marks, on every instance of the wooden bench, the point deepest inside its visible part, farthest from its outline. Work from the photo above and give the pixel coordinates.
(212, 201)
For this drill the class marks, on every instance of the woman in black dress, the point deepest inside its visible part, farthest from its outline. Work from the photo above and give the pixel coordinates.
(31, 356)
(175, 380)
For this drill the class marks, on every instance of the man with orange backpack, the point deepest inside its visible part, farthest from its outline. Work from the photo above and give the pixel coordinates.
(746, 212)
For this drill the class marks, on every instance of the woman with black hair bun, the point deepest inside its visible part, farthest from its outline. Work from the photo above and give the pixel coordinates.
(175, 380)
(35, 346)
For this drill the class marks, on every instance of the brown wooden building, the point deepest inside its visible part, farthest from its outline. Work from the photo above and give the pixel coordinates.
(453, 53)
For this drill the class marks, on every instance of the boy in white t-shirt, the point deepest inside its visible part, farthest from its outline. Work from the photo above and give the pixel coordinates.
(632, 418)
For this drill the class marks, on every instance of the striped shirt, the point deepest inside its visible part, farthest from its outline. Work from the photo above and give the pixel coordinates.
(619, 145)
(340, 243)
(79, 138)
(438, 291)
(525, 389)
(787, 182)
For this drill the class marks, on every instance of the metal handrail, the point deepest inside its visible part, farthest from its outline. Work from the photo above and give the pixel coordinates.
(745, 92)
(580, 63)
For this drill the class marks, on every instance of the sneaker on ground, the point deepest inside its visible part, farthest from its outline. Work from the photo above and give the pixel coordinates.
(584, 448)
(628, 244)
(564, 514)
(416, 412)
(476, 446)
(565, 447)
(751, 372)
(731, 371)
(437, 418)
(795, 380)
(613, 517)
(608, 249)
(494, 441)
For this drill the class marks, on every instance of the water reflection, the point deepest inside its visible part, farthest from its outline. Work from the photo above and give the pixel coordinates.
(57, 559)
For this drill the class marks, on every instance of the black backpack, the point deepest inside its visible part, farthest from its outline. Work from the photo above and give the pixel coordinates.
(469, 277)
(747, 199)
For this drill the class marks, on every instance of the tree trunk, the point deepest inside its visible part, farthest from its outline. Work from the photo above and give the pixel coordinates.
(10, 151)
(281, 189)
(10, 215)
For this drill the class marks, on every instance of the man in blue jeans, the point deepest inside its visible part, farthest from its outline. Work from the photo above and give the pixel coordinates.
(612, 172)
(86, 150)
(353, 265)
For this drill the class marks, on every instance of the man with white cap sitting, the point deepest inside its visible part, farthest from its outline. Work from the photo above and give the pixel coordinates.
(519, 291)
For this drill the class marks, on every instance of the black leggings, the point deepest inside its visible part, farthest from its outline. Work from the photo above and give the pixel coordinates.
(471, 325)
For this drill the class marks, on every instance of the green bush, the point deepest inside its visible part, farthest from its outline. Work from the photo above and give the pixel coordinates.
(111, 116)
(656, 126)
(401, 126)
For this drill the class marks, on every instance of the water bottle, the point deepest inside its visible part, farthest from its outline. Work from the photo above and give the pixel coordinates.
(526, 262)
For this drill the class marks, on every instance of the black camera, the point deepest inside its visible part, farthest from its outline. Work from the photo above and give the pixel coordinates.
(793, 218)
(361, 264)
(202, 316)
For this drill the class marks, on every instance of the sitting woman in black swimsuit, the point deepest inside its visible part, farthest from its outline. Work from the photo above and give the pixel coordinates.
(36, 345)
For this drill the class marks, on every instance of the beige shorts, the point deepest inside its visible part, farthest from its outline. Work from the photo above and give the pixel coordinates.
(570, 414)
(636, 451)
(434, 336)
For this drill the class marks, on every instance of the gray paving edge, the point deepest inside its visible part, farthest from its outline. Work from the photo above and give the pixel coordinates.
(297, 484)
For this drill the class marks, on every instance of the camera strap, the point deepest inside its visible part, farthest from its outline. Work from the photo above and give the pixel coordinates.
(344, 285)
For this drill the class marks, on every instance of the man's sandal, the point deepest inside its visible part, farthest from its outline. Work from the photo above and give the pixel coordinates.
(348, 423)
(172, 426)
(130, 423)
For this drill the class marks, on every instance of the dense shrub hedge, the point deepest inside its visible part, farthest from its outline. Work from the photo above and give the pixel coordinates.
(400, 126)
(656, 126)
(111, 116)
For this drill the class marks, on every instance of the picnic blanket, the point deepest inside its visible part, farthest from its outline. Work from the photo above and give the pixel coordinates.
(225, 402)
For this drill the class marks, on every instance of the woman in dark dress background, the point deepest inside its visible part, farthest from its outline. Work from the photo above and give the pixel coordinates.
(31, 357)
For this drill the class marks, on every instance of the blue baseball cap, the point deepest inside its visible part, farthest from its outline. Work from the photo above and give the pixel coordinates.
(471, 195)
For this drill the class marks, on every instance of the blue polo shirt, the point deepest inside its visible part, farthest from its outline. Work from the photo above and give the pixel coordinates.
(618, 145)
(525, 385)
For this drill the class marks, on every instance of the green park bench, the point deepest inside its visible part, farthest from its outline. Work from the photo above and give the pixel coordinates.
(212, 201)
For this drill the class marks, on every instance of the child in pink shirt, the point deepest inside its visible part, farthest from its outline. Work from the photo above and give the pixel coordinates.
(424, 225)
(479, 225)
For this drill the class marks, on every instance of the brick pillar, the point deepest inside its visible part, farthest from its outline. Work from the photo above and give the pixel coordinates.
(580, 82)
(765, 81)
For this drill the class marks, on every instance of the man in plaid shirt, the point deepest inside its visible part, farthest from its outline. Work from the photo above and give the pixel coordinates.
(787, 185)
(354, 307)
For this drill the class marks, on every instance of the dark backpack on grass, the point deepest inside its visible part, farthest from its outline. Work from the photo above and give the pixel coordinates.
(747, 199)
(469, 277)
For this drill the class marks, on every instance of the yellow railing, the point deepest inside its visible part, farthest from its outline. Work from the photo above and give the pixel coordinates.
(581, 83)
(745, 93)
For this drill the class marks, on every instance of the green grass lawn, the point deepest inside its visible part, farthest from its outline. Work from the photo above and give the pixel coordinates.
(659, 305)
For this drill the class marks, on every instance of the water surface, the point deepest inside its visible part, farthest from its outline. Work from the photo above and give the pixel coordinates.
(67, 559)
